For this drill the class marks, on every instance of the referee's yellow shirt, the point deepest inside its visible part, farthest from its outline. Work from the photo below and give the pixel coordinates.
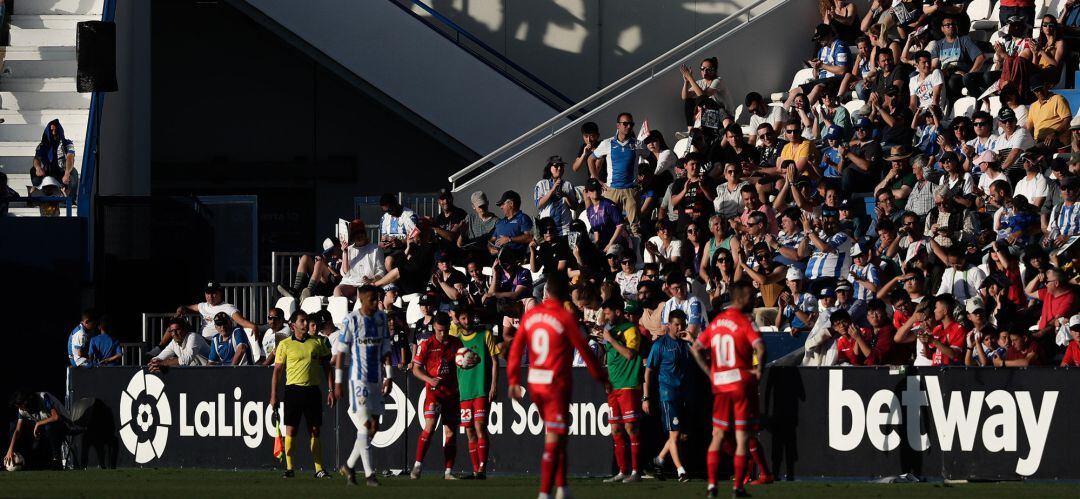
(302, 360)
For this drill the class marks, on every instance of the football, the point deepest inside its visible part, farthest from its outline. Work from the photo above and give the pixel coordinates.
(15, 463)
(466, 359)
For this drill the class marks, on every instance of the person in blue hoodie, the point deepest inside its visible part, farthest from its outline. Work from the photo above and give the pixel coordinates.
(55, 158)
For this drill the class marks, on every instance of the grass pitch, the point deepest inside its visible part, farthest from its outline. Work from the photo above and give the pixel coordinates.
(191, 484)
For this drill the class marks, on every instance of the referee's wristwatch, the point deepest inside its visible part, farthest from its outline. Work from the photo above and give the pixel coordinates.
(645, 398)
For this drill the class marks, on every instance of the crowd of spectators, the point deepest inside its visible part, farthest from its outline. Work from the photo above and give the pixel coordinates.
(894, 233)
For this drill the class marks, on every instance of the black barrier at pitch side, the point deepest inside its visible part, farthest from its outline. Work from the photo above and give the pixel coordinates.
(218, 417)
(955, 423)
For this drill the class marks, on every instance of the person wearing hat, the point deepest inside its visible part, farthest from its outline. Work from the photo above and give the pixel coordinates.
(982, 335)
(1049, 117)
(479, 225)
(396, 225)
(865, 155)
(449, 222)
(362, 261)
(229, 345)
(214, 304)
(895, 117)
(864, 276)
(830, 247)
(514, 230)
(555, 196)
(1034, 186)
(831, 160)
(607, 227)
(820, 346)
(899, 179)
(1014, 139)
(831, 63)
(797, 307)
(1020, 12)
(620, 154)
(1065, 216)
(1074, 129)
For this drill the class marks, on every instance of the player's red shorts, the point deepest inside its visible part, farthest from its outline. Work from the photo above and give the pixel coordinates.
(440, 404)
(473, 410)
(625, 405)
(738, 408)
(554, 408)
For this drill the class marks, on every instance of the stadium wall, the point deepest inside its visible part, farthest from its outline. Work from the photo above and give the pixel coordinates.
(953, 423)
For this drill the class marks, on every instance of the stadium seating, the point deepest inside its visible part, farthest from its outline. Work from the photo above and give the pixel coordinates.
(338, 306)
(287, 304)
(312, 304)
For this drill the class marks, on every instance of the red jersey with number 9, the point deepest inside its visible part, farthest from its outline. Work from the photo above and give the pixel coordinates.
(730, 339)
(550, 334)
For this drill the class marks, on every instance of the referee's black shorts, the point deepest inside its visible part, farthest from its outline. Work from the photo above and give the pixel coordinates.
(303, 401)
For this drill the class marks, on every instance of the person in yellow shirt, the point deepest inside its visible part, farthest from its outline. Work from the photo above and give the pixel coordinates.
(797, 149)
(305, 361)
(1049, 116)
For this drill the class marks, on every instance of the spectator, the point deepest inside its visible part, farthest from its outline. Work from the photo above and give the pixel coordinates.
(184, 348)
(959, 60)
(316, 276)
(895, 117)
(511, 281)
(478, 228)
(981, 341)
(1049, 50)
(829, 65)
(859, 346)
(762, 114)
(990, 167)
(860, 68)
(946, 342)
(768, 146)
(514, 230)
(54, 159)
(555, 196)
(956, 184)
(1072, 351)
(731, 148)
(78, 343)
(1065, 217)
(362, 261)
(552, 254)
(449, 223)
(886, 74)
(864, 154)
(821, 348)
(1022, 350)
(446, 283)
(864, 276)
(628, 277)
(664, 248)
(104, 349)
(927, 127)
(843, 17)
(397, 223)
(1058, 297)
(661, 157)
(692, 196)
(1008, 10)
(798, 149)
(681, 300)
(621, 154)
(832, 161)
(652, 304)
(926, 84)
(831, 113)
(607, 229)
(1013, 140)
(424, 327)
(7, 194)
(388, 299)
(960, 279)
(1034, 186)
(413, 273)
(214, 304)
(276, 331)
(831, 248)
(590, 139)
(798, 308)
(899, 179)
(230, 345)
(1049, 116)
(921, 199)
(1015, 55)
(710, 85)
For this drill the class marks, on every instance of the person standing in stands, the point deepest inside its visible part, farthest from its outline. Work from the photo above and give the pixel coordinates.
(214, 304)
(621, 154)
(478, 227)
(78, 343)
(305, 362)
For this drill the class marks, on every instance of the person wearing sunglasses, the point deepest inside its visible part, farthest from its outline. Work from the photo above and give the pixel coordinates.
(985, 138)
(798, 149)
(276, 331)
(709, 85)
(958, 58)
(621, 154)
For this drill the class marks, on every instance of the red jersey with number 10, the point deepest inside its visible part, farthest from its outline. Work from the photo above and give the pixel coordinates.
(730, 339)
(551, 334)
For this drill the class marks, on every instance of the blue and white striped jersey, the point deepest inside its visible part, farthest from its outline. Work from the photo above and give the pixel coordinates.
(366, 341)
(833, 263)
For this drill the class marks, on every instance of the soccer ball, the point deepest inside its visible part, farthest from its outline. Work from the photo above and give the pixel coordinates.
(466, 359)
(15, 463)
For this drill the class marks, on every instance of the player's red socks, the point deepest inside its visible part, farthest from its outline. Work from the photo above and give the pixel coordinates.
(560, 469)
(620, 450)
(634, 451)
(449, 450)
(422, 443)
(712, 463)
(740, 471)
(474, 457)
(758, 455)
(548, 465)
(481, 453)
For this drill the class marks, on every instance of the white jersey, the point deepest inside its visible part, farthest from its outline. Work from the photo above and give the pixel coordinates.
(208, 311)
(366, 341)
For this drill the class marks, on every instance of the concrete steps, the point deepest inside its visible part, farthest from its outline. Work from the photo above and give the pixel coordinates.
(40, 85)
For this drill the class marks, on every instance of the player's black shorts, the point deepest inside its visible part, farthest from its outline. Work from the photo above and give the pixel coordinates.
(303, 401)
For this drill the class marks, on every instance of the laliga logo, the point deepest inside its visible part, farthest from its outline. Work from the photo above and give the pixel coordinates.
(398, 402)
(145, 417)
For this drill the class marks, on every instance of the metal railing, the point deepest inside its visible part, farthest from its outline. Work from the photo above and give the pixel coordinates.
(283, 266)
(425, 205)
(32, 200)
(132, 353)
(659, 66)
(252, 299)
(153, 326)
(519, 75)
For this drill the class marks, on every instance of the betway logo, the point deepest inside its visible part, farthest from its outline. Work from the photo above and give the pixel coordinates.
(876, 418)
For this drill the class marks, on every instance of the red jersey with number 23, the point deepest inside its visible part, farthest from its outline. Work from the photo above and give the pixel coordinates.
(730, 339)
(551, 334)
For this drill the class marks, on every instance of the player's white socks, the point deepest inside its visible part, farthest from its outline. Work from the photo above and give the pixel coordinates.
(362, 451)
(681, 470)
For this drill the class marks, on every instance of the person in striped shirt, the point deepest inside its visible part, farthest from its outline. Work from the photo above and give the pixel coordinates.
(865, 279)
(555, 196)
(1065, 217)
(690, 305)
(365, 341)
(830, 257)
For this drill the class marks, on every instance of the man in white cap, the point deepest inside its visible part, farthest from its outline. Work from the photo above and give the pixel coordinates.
(478, 225)
(1072, 351)
(797, 307)
(865, 279)
(1065, 217)
(1014, 139)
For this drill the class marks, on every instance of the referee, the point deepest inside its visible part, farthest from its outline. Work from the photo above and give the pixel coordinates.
(305, 361)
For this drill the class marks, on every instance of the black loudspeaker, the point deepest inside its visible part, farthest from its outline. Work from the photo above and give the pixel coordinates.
(96, 47)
